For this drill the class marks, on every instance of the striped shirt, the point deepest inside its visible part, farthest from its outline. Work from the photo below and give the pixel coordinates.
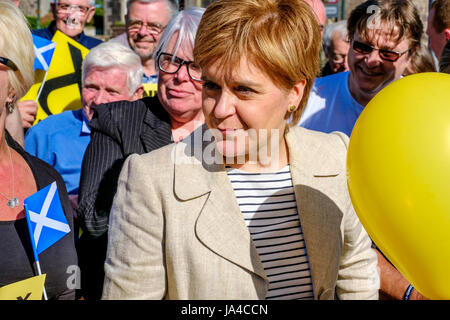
(267, 202)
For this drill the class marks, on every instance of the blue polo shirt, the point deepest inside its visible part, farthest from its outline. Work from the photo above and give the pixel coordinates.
(49, 32)
(61, 141)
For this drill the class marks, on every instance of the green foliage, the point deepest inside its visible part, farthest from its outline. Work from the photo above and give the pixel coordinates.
(32, 22)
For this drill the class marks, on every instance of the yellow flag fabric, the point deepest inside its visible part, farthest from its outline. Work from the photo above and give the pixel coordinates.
(28, 289)
(61, 90)
(150, 89)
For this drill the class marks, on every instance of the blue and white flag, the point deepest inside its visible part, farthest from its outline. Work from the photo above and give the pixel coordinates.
(43, 51)
(46, 220)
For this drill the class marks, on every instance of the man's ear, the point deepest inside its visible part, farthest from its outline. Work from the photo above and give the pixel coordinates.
(138, 93)
(90, 14)
(53, 9)
(447, 34)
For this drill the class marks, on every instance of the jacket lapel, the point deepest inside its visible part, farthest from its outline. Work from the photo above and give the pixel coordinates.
(220, 225)
(320, 218)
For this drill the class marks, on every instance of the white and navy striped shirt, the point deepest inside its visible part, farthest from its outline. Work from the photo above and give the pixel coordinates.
(267, 202)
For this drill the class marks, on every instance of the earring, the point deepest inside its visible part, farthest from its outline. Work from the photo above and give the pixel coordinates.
(292, 108)
(10, 107)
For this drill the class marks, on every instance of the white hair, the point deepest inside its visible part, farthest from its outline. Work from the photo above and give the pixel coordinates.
(330, 30)
(112, 54)
(172, 5)
(186, 24)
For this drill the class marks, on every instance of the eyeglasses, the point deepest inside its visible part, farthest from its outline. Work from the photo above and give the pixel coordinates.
(169, 63)
(154, 28)
(8, 63)
(64, 8)
(387, 55)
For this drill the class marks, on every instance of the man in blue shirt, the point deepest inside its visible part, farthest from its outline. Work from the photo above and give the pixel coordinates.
(111, 72)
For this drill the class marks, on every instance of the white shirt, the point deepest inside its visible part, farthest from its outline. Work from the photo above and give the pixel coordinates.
(269, 208)
(331, 106)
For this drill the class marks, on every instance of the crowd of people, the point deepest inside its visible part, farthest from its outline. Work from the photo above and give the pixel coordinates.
(230, 182)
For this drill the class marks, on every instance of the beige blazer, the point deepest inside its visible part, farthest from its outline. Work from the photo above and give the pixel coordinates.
(176, 230)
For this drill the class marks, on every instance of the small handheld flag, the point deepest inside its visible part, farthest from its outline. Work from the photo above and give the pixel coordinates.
(43, 50)
(46, 220)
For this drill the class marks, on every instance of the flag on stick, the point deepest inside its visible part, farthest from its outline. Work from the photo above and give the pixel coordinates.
(46, 220)
(43, 51)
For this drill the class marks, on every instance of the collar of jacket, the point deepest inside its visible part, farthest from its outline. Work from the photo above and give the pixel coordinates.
(220, 225)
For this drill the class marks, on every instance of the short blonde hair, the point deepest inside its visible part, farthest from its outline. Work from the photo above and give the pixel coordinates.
(280, 37)
(16, 44)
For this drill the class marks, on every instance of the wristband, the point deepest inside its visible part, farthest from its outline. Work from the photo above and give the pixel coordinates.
(408, 292)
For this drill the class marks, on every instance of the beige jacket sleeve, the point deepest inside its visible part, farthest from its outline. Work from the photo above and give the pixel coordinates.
(358, 276)
(134, 267)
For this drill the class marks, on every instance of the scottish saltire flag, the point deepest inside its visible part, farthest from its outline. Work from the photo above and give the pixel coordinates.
(46, 220)
(43, 51)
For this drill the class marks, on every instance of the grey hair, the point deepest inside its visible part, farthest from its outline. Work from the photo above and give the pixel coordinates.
(330, 30)
(112, 54)
(91, 2)
(186, 24)
(172, 5)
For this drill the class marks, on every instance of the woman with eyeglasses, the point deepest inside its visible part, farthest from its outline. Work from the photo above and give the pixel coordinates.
(123, 128)
(22, 175)
(251, 206)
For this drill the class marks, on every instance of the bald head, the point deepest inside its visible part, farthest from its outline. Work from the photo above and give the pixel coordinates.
(319, 9)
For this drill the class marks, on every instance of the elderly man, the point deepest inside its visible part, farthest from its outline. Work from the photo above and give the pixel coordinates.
(378, 56)
(438, 28)
(336, 45)
(145, 21)
(70, 17)
(111, 72)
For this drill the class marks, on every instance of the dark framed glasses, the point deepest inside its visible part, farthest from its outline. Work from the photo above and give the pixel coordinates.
(388, 55)
(8, 63)
(170, 63)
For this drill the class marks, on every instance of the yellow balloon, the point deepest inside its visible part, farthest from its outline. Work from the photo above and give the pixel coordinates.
(398, 168)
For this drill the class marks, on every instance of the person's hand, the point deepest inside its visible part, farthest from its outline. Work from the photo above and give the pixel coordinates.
(27, 110)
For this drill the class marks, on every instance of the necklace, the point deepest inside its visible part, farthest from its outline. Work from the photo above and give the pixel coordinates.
(13, 202)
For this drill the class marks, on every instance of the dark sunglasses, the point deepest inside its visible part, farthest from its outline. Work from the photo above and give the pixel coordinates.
(387, 55)
(8, 63)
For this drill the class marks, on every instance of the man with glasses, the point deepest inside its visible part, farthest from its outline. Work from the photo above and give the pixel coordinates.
(70, 18)
(383, 34)
(145, 21)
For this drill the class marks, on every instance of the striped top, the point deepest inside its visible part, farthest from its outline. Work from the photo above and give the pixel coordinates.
(267, 202)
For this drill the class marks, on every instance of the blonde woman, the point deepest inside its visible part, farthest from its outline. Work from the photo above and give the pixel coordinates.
(21, 175)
